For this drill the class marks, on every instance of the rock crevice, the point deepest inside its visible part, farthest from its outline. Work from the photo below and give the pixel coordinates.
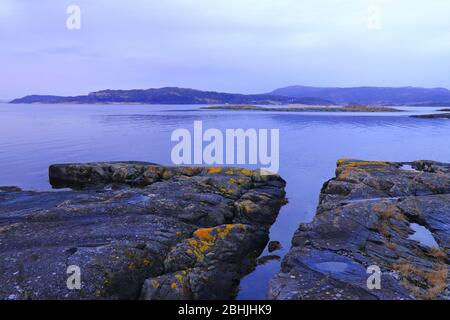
(365, 218)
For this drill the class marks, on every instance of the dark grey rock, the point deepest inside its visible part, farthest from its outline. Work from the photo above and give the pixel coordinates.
(130, 224)
(433, 116)
(364, 218)
(266, 259)
(274, 246)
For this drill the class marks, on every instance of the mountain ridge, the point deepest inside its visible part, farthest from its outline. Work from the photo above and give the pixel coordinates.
(370, 95)
(307, 95)
(171, 95)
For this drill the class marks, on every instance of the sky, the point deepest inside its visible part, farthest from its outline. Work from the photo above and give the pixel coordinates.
(246, 46)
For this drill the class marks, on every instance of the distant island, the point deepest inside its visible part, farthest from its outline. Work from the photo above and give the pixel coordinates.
(171, 95)
(374, 96)
(355, 108)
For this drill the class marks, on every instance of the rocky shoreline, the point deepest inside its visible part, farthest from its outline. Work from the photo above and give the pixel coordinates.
(136, 230)
(139, 230)
(351, 108)
(369, 215)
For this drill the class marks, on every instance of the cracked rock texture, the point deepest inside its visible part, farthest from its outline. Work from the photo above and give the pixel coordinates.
(136, 230)
(365, 217)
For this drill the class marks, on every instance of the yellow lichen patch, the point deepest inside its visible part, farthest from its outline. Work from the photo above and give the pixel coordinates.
(227, 191)
(180, 278)
(349, 166)
(146, 262)
(233, 181)
(238, 181)
(192, 242)
(226, 230)
(246, 172)
(343, 175)
(198, 254)
(248, 206)
(205, 238)
(343, 161)
(365, 163)
(229, 172)
(215, 170)
(203, 246)
(204, 234)
(154, 283)
(240, 226)
(197, 248)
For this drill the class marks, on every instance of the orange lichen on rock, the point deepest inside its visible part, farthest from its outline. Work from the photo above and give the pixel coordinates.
(204, 234)
(343, 175)
(246, 172)
(213, 170)
(346, 167)
(226, 230)
(203, 239)
(359, 163)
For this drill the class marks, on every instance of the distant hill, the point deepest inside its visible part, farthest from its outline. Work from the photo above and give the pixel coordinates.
(371, 95)
(172, 95)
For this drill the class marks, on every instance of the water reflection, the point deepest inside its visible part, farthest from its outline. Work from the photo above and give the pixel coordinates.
(34, 136)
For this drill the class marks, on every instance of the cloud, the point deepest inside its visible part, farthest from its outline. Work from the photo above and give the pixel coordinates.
(228, 45)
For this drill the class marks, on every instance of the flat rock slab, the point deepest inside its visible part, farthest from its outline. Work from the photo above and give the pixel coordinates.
(433, 116)
(366, 217)
(136, 230)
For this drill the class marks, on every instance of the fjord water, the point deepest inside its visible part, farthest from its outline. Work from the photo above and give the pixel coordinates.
(34, 136)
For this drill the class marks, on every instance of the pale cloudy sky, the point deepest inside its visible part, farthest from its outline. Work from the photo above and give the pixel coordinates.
(247, 46)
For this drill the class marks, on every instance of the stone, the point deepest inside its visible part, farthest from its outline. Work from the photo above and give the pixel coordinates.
(274, 246)
(364, 218)
(136, 230)
(433, 116)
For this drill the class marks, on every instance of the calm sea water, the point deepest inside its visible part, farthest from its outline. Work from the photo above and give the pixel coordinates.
(34, 136)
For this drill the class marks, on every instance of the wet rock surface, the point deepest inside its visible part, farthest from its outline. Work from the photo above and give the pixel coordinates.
(274, 246)
(433, 116)
(136, 230)
(366, 217)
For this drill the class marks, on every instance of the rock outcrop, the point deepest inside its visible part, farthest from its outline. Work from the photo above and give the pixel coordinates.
(373, 214)
(136, 230)
(432, 116)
